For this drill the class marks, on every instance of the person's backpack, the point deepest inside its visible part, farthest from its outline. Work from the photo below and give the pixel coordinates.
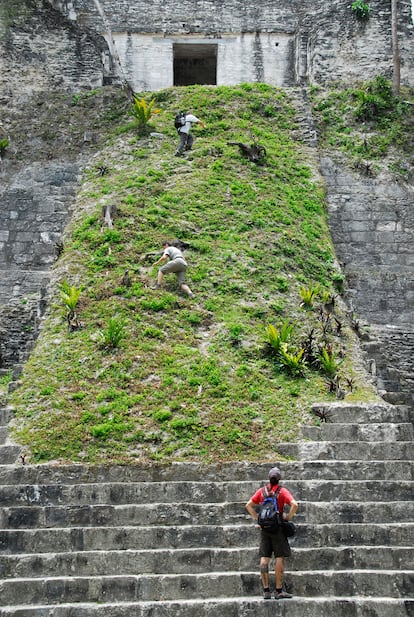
(179, 120)
(269, 515)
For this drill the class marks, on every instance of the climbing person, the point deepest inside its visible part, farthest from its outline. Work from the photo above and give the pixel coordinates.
(273, 540)
(176, 263)
(183, 123)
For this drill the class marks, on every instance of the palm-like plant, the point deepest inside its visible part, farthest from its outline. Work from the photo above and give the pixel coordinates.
(277, 337)
(143, 111)
(69, 296)
(328, 361)
(113, 333)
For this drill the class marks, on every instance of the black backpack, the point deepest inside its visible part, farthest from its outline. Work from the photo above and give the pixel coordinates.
(269, 515)
(179, 120)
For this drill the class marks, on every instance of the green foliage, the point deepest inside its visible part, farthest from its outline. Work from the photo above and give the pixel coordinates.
(293, 361)
(374, 98)
(328, 361)
(69, 295)
(113, 333)
(6, 378)
(143, 112)
(170, 378)
(309, 295)
(277, 338)
(369, 124)
(4, 142)
(361, 9)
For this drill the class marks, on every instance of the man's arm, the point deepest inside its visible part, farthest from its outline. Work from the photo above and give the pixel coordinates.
(251, 509)
(161, 259)
(293, 508)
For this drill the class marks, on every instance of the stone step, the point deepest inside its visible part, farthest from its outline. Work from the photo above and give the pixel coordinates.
(198, 492)
(359, 432)
(291, 470)
(150, 587)
(348, 450)
(29, 517)
(198, 560)
(9, 454)
(4, 416)
(363, 413)
(398, 397)
(4, 433)
(225, 536)
(245, 606)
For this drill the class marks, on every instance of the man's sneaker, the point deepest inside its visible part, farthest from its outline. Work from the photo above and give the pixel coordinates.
(267, 595)
(282, 595)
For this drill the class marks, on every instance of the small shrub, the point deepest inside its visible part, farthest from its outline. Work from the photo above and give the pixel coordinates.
(162, 415)
(69, 296)
(338, 281)
(236, 334)
(142, 112)
(3, 145)
(292, 361)
(308, 295)
(362, 10)
(276, 338)
(114, 333)
(373, 99)
(282, 284)
(328, 361)
(153, 332)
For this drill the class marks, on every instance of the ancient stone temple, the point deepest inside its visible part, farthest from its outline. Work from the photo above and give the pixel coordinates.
(160, 43)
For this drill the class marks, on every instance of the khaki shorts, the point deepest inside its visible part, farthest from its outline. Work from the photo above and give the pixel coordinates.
(274, 543)
(175, 265)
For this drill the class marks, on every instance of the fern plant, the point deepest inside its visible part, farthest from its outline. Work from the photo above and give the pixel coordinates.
(142, 112)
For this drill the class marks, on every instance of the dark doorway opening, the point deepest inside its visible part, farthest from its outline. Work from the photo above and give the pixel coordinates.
(195, 64)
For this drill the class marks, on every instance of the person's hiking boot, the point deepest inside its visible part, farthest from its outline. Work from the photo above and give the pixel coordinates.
(282, 595)
(267, 595)
(178, 154)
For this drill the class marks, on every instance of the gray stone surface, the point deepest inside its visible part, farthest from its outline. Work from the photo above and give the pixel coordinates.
(175, 539)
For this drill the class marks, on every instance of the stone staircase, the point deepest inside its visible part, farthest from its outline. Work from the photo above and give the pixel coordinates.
(154, 540)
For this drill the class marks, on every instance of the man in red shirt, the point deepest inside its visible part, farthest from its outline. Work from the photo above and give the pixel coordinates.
(274, 541)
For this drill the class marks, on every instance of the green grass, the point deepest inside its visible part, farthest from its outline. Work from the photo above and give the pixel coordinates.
(149, 374)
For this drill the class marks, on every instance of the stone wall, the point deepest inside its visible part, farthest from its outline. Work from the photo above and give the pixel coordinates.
(40, 50)
(283, 43)
(372, 225)
(35, 207)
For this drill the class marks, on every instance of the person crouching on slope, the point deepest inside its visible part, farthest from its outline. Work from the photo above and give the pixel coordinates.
(176, 264)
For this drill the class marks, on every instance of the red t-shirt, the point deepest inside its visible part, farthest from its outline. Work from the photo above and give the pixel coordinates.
(284, 498)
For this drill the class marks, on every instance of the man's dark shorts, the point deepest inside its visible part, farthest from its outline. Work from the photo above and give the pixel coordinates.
(275, 543)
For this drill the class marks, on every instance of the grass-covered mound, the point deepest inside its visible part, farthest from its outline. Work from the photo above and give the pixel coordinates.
(123, 371)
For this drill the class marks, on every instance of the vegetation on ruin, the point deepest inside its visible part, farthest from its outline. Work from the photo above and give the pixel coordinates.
(370, 125)
(123, 371)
